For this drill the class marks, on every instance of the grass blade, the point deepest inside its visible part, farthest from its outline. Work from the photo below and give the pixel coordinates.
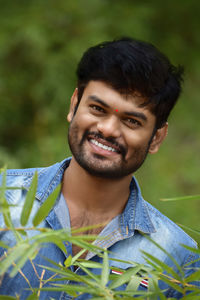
(194, 250)
(165, 267)
(33, 296)
(3, 245)
(90, 274)
(194, 197)
(176, 285)
(125, 277)
(189, 229)
(133, 283)
(7, 298)
(17, 252)
(193, 277)
(28, 204)
(23, 259)
(46, 207)
(168, 254)
(105, 269)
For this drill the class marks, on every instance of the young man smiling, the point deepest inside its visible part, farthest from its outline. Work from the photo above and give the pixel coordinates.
(118, 114)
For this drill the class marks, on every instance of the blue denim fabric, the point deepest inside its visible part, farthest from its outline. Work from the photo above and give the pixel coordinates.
(123, 236)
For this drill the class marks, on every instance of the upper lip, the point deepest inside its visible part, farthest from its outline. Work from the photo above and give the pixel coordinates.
(106, 143)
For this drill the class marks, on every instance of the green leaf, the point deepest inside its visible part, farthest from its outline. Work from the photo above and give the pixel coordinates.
(33, 296)
(69, 288)
(105, 269)
(169, 270)
(98, 298)
(6, 208)
(193, 295)
(87, 228)
(3, 187)
(190, 229)
(125, 277)
(11, 188)
(7, 297)
(195, 197)
(68, 261)
(90, 264)
(82, 244)
(140, 294)
(62, 272)
(65, 272)
(16, 253)
(46, 207)
(23, 232)
(6, 211)
(3, 245)
(171, 282)
(192, 249)
(23, 259)
(133, 283)
(194, 276)
(92, 275)
(28, 204)
(153, 287)
(58, 265)
(131, 263)
(50, 238)
(75, 257)
(154, 266)
(168, 254)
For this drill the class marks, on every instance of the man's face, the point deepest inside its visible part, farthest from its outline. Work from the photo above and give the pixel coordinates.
(109, 135)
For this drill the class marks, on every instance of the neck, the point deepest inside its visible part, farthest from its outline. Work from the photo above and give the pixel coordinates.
(94, 194)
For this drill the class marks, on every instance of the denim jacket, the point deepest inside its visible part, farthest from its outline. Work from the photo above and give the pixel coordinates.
(124, 236)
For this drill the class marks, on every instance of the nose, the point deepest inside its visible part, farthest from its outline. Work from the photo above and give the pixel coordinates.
(109, 127)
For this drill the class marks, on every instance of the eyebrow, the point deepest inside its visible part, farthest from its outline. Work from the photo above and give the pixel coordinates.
(136, 114)
(96, 99)
(128, 113)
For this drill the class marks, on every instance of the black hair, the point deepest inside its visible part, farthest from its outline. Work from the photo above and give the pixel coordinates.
(132, 66)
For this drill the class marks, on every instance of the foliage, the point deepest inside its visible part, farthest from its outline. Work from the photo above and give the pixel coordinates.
(103, 286)
(41, 43)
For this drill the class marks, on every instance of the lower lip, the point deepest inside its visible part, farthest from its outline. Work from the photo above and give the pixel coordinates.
(102, 151)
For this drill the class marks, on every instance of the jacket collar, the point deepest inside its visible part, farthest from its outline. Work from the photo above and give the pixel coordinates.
(48, 179)
(136, 213)
(134, 217)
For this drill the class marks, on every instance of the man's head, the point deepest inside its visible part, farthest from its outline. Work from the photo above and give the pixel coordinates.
(131, 66)
(118, 113)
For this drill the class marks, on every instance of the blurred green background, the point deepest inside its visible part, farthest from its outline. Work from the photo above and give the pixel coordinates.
(40, 45)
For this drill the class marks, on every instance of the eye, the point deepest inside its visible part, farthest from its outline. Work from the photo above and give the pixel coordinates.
(132, 123)
(97, 108)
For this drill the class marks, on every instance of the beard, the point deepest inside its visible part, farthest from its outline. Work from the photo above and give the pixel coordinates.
(101, 166)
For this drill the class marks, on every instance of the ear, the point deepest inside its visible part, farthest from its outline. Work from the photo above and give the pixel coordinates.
(158, 138)
(74, 101)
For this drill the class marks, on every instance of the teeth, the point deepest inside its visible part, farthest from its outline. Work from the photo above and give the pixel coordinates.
(102, 146)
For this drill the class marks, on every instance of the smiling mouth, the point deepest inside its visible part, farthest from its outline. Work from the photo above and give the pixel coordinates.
(102, 146)
(106, 144)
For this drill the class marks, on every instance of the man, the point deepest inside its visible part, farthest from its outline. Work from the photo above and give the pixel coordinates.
(118, 114)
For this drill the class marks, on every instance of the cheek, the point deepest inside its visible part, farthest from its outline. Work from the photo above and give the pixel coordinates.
(84, 120)
(136, 141)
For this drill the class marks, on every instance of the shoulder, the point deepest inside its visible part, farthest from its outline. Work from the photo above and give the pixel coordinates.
(24, 176)
(168, 234)
(48, 179)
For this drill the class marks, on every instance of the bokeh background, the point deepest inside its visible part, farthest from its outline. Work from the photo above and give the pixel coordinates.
(41, 42)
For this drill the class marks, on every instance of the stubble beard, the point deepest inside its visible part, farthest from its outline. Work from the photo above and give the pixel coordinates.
(100, 166)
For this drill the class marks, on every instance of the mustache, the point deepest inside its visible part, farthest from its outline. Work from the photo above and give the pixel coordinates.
(111, 140)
